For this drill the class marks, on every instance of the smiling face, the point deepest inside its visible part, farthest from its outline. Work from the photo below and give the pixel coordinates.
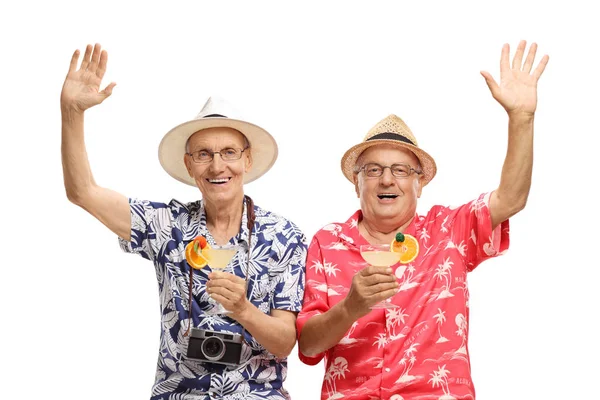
(221, 182)
(387, 199)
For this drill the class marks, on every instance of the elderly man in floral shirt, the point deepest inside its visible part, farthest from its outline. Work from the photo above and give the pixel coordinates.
(260, 292)
(418, 349)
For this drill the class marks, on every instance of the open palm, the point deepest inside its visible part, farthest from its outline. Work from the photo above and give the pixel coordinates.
(81, 89)
(517, 91)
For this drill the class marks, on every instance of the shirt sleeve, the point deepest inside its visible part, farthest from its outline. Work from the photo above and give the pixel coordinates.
(315, 298)
(289, 273)
(472, 231)
(148, 221)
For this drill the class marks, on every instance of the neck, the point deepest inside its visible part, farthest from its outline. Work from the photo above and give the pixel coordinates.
(223, 220)
(377, 233)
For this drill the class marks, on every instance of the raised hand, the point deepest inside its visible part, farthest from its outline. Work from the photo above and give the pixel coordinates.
(370, 285)
(517, 91)
(81, 89)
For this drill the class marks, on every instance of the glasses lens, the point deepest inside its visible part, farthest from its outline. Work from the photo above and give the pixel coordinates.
(202, 156)
(230, 154)
(400, 170)
(373, 170)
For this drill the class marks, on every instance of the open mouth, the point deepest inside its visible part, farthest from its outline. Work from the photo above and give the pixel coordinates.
(383, 196)
(218, 181)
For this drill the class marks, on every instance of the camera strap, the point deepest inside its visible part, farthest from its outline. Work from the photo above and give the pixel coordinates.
(251, 218)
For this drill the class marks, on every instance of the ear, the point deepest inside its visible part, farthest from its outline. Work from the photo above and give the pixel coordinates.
(356, 188)
(418, 187)
(187, 160)
(248, 161)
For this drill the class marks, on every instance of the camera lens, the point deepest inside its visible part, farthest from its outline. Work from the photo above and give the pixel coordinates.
(213, 348)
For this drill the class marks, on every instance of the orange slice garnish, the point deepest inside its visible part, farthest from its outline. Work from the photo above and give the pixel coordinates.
(409, 248)
(194, 256)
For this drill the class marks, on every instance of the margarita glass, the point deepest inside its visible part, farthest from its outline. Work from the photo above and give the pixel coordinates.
(380, 255)
(218, 258)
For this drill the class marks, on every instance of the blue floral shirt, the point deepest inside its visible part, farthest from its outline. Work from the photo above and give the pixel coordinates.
(160, 232)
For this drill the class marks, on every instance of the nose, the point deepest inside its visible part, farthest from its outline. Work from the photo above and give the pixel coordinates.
(387, 178)
(217, 162)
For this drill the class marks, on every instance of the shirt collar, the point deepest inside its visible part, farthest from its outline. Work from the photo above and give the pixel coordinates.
(242, 235)
(349, 234)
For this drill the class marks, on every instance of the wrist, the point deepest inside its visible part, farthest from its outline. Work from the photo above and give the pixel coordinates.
(70, 113)
(349, 312)
(521, 117)
(245, 313)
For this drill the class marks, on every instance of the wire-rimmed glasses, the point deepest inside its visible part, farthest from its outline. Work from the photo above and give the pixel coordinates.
(205, 156)
(399, 170)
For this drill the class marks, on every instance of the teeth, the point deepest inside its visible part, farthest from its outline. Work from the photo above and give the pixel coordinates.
(218, 180)
(387, 195)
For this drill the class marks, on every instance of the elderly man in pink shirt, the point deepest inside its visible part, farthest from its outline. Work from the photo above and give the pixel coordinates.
(417, 349)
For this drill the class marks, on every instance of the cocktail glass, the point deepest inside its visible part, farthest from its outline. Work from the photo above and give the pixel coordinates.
(218, 258)
(380, 255)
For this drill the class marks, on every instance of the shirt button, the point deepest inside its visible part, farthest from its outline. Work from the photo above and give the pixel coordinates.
(387, 370)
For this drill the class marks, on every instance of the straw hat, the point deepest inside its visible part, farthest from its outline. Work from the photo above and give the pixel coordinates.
(390, 130)
(216, 113)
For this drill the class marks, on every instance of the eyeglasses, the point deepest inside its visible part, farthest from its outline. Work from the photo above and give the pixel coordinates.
(374, 170)
(228, 154)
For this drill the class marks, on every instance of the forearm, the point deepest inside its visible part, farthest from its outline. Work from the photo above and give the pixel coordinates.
(515, 181)
(77, 173)
(323, 331)
(277, 336)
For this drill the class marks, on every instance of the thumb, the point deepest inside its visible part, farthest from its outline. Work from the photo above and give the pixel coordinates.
(489, 80)
(108, 90)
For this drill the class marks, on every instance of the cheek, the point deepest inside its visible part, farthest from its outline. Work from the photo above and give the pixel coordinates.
(197, 170)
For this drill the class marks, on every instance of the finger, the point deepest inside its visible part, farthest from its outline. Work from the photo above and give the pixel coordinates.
(373, 269)
(505, 59)
(491, 82)
(376, 279)
(102, 64)
(219, 275)
(382, 287)
(226, 275)
(222, 291)
(224, 301)
(93, 65)
(86, 57)
(530, 57)
(541, 67)
(226, 283)
(108, 90)
(384, 295)
(74, 59)
(519, 55)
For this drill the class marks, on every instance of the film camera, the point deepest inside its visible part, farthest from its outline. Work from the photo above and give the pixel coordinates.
(215, 347)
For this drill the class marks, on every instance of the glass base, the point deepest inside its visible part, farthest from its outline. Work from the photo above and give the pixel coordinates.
(384, 305)
(217, 309)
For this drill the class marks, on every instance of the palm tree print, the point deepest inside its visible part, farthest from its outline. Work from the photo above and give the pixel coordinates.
(393, 318)
(440, 319)
(317, 266)
(338, 369)
(330, 268)
(440, 378)
(424, 235)
(461, 323)
(444, 272)
(408, 360)
(381, 340)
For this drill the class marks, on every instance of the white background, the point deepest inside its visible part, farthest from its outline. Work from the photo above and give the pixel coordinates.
(81, 318)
